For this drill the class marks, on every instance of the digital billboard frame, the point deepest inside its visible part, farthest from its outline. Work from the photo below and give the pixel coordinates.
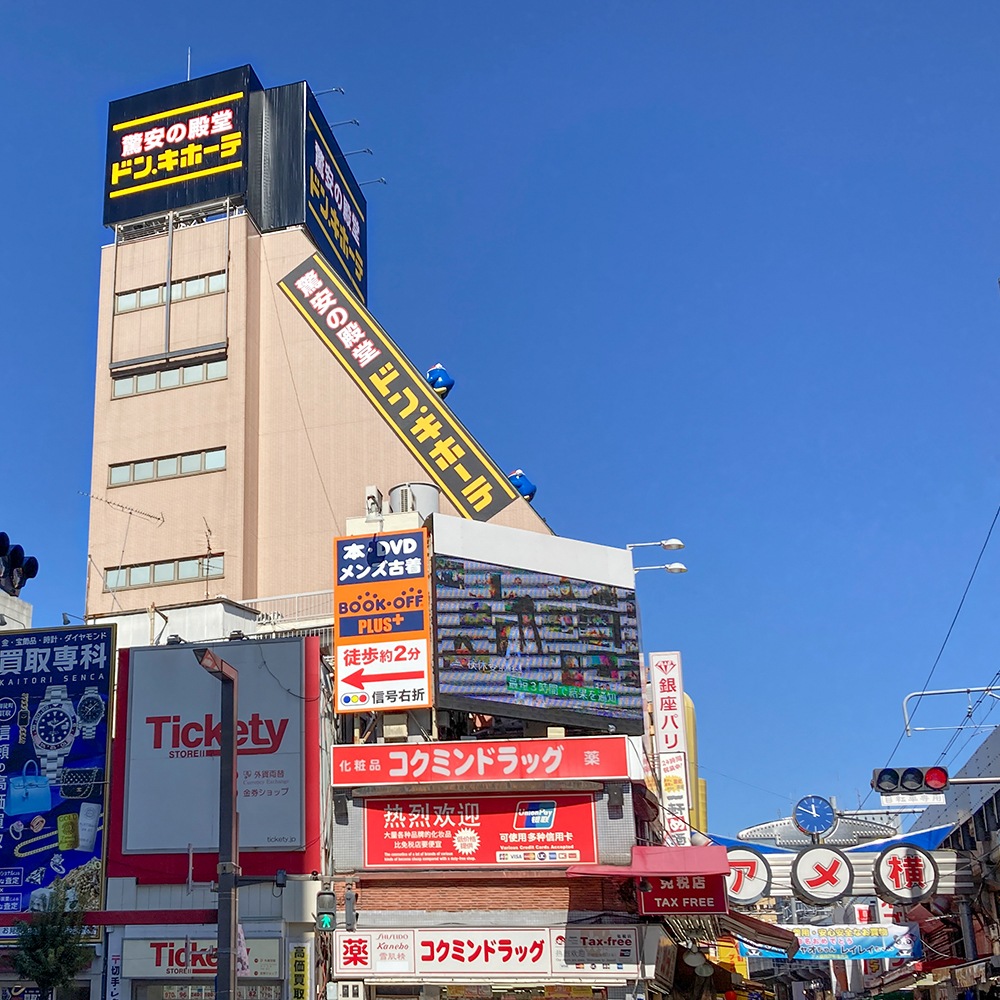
(534, 627)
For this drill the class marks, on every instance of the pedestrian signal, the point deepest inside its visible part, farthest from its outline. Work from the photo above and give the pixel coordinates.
(326, 911)
(910, 780)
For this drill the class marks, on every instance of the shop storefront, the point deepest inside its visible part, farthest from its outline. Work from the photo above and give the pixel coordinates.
(525, 963)
(182, 966)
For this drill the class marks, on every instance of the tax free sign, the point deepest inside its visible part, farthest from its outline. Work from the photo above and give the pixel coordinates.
(381, 599)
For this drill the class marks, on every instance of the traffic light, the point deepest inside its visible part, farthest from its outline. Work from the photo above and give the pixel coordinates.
(16, 569)
(910, 780)
(351, 908)
(326, 911)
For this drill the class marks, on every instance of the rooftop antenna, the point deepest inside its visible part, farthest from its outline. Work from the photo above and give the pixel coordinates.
(159, 518)
(208, 552)
(189, 62)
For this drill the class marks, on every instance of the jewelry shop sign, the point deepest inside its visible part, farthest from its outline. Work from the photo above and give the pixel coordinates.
(598, 952)
(54, 686)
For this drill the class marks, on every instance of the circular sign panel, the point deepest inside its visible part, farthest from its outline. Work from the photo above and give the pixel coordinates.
(905, 874)
(749, 876)
(822, 875)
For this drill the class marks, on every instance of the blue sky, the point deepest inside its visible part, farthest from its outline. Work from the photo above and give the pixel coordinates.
(724, 271)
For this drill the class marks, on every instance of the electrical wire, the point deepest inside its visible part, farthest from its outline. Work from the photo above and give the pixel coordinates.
(940, 653)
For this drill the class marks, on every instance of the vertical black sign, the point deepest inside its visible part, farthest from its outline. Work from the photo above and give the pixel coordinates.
(335, 206)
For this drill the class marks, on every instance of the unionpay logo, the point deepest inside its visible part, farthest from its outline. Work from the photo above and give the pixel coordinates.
(535, 815)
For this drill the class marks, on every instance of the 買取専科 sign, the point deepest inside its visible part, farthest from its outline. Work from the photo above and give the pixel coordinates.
(381, 601)
(54, 686)
(434, 436)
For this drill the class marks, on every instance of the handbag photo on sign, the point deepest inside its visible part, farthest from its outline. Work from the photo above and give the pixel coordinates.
(28, 792)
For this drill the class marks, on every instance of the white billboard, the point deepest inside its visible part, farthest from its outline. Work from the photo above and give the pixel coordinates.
(173, 739)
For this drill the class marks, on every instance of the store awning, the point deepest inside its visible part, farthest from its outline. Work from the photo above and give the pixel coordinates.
(758, 932)
(662, 862)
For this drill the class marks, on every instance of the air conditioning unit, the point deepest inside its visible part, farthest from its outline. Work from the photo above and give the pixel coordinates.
(346, 989)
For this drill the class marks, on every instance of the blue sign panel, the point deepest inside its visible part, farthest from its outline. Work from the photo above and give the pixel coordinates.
(843, 941)
(397, 555)
(335, 205)
(54, 690)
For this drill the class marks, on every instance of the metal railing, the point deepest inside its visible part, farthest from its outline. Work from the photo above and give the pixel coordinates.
(317, 605)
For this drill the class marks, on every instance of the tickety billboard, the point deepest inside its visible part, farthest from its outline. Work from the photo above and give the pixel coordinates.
(54, 686)
(180, 145)
(173, 736)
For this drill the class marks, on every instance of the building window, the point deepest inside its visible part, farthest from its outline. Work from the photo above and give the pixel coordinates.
(161, 573)
(156, 295)
(191, 463)
(169, 378)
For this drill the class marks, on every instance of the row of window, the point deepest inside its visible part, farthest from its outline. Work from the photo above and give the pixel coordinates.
(170, 378)
(156, 295)
(189, 464)
(159, 573)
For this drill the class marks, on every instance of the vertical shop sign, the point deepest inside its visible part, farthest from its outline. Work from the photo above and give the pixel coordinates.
(670, 745)
(381, 595)
(298, 972)
(53, 764)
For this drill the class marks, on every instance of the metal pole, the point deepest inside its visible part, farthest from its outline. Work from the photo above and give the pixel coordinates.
(968, 931)
(229, 850)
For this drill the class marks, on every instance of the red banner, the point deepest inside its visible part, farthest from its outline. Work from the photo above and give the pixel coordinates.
(480, 831)
(684, 894)
(594, 758)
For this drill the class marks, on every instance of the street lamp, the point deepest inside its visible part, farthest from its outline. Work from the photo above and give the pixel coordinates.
(229, 849)
(670, 544)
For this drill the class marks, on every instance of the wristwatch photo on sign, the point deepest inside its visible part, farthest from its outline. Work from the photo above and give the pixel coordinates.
(53, 730)
(90, 711)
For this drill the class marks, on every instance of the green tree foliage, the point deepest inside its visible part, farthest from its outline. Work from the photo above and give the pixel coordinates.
(49, 952)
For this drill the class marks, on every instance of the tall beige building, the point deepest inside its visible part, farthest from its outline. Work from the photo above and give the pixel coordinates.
(229, 444)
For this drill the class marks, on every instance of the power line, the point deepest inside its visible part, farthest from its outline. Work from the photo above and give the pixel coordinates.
(937, 659)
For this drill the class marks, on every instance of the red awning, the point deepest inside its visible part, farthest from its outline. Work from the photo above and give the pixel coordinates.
(662, 862)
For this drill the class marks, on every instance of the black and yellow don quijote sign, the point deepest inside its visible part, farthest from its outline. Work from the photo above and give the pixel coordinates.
(437, 440)
(180, 145)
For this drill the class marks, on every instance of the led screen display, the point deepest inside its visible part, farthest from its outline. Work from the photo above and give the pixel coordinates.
(523, 644)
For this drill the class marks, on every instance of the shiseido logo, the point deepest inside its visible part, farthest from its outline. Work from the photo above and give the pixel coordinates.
(203, 738)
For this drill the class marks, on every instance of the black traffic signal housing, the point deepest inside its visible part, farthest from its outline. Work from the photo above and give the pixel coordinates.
(910, 780)
(351, 907)
(16, 569)
(326, 912)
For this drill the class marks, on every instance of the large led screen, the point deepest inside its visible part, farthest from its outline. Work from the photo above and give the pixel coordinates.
(530, 645)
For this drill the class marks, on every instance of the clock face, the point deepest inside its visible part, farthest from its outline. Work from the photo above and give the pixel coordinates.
(53, 727)
(814, 815)
(90, 709)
